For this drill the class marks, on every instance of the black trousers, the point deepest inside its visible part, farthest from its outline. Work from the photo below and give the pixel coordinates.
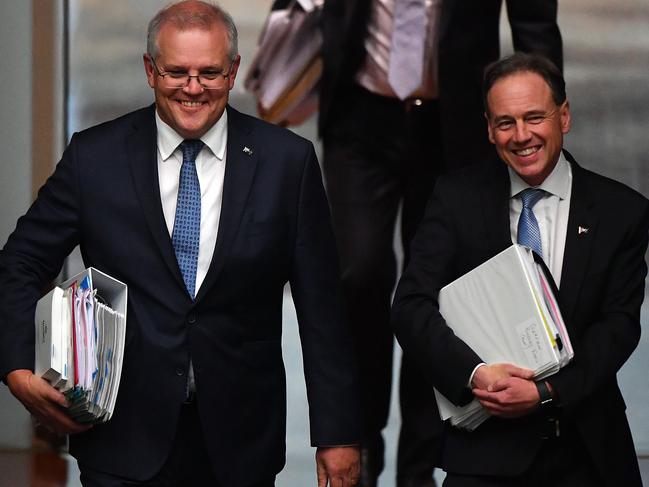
(561, 462)
(380, 154)
(187, 464)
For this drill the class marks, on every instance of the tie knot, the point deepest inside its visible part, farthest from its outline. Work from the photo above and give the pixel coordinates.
(531, 196)
(191, 148)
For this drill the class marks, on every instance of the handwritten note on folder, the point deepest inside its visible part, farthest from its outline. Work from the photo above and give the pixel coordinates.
(80, 334)
(505, 311)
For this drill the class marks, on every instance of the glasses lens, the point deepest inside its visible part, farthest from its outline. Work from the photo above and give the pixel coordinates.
(209, 83)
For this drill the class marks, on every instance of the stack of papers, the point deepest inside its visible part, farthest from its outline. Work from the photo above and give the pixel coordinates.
(80, 342)
(505, 311)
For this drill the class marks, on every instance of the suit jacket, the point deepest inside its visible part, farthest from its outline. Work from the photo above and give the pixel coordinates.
(468, 41)
(601, 291)
(274, 228)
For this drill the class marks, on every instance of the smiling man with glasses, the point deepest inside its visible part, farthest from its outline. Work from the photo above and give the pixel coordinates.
(191, 70)
(206, 214)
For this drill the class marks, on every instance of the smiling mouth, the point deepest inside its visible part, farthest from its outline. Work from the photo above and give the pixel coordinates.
(191, 104)
(528, 151)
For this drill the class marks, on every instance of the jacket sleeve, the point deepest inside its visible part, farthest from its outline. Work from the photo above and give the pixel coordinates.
(32, 258)
(534, 28)
(445, 360)
(327, 348)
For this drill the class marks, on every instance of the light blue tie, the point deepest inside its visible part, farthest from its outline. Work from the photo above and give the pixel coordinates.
(406, 68)
(187, 223)
(528, 228)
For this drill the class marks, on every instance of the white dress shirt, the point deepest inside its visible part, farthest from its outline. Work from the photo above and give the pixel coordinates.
(551, 212)
(210, 167)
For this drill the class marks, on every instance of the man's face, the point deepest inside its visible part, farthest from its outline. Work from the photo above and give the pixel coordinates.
(526, 125)
(192, 109)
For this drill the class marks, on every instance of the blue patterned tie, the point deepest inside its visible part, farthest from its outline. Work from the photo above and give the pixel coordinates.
(187, 223)
(528, 228)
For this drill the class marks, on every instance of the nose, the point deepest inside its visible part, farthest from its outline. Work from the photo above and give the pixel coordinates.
(193, 87)
(522, 134)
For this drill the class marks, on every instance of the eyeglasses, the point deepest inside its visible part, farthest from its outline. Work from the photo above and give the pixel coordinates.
(209, 80)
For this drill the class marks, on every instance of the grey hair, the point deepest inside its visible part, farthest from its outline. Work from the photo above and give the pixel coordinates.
(203, 18)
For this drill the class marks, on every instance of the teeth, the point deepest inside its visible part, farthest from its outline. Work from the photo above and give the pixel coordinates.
(191, 103)
(527, 152)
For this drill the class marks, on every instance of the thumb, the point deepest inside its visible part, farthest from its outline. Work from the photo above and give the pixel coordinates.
(499, 385)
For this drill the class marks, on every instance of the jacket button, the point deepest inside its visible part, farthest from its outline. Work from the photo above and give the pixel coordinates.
(180, 372)
(191, 319)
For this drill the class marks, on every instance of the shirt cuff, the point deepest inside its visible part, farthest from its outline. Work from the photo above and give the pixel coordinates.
(473, 373)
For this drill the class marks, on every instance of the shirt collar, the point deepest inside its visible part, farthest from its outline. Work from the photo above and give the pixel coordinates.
(557, 183)
(215, 138)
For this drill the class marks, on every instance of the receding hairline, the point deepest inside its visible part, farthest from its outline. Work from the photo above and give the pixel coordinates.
(520, 63)
(514, 74)
(196, 14)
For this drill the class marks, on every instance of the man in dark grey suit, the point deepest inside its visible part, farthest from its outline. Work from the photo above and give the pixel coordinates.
(382, 153)
(205, 213)
(571, 429)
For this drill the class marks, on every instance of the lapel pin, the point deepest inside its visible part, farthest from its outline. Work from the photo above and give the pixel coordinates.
(581, 230)
(248, 151)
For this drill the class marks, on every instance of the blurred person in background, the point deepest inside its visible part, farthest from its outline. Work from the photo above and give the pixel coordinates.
(400, 104)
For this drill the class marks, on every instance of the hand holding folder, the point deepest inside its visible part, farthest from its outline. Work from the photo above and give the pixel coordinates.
(43, 401)
(506, 312)
(511, 394)
(80, 343)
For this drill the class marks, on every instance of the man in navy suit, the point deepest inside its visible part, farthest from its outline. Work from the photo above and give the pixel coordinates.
(570, 429)
(202, 395)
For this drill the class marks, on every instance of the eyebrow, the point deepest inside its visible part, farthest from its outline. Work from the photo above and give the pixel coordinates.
(178, 67)
(502, 118)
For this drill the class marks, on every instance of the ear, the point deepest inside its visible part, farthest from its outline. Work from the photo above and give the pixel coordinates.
(565, 118)
(489, 129)
(150, 70)
(233, 72)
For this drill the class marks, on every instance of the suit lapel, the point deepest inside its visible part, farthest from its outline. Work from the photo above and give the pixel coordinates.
(582, 223)
(141, 147)
(241, 165)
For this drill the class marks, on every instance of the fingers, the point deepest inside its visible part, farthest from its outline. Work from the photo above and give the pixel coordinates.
(44, 402)
(39, 387)
(322, 474)
(487, 376)
(340, 466)
(495, 403)
(482, 394)
(512, 397)
(55, 420)
(520, 372)
(53, 417)
(499, 385)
